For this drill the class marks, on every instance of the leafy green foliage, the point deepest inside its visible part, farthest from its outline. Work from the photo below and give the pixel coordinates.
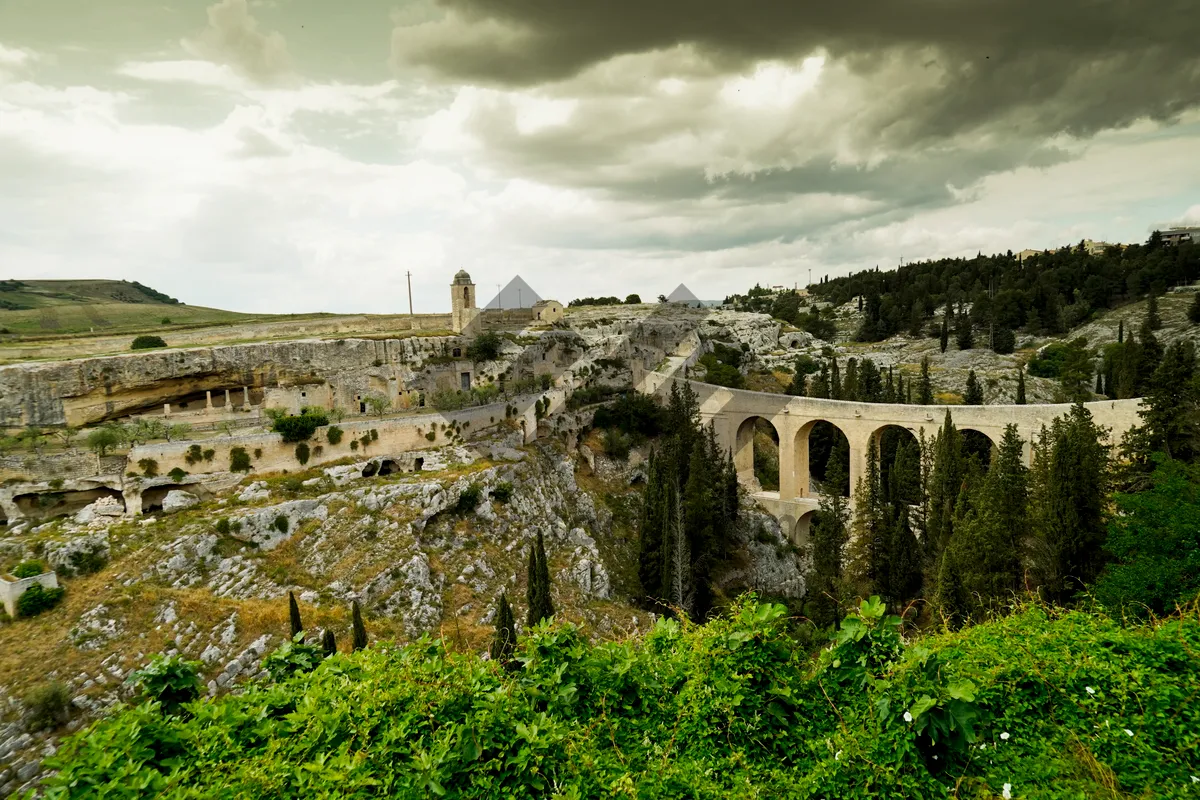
(149, 467)
(1059, 706)
(502, 491)
(537, 586)
(47, 706)
(37, 598)
(292, 658)
(171, 681)
(147, 342)
(334, 434)
(239, 460)
(177, 474)
(302, 453)
(358, 628)
(300, 427)
(28, 569)
(504, 642)
(1154, 542)
(485, 347)
(469, 499)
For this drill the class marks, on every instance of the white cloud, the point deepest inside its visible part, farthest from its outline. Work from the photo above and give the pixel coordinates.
(233, 38)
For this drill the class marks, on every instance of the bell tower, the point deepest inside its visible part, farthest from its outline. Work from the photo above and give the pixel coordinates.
(462, 301)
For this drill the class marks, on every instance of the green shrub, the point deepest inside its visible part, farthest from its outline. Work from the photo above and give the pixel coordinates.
(374, 435)
(502, 492)
(194, 455)
(334, 434)
(56, 484)
(354, 444)
(209, 454)
(280, 524)
(431, 435)
(634, 413)
(616, 444)
(87, 562)
(47, 706)
(37, 598)
(545, 380)
(733, 708)
(239, 460)
(300, 427)
(470, 499)
(485, 347)
(172, 681)
(146, 342)
(223, 526)
(28, 569)
(177, 474)
(149, 467)
(292, 657)
(302, 453)
(257, 453)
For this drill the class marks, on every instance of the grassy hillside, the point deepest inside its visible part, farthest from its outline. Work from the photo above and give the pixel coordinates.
(77, 306)
(1044, 704)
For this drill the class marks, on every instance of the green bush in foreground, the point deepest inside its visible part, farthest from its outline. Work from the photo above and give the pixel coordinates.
(1052, 704)
(146, 342)
(37, 598)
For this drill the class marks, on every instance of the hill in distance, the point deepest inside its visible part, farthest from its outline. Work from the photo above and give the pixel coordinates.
(54, 307)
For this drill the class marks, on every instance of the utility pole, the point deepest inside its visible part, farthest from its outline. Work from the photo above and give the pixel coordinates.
(520, 302)
(499, 298)
(409, 275)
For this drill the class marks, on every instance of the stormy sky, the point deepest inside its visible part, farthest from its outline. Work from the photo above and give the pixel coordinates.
(301, 155)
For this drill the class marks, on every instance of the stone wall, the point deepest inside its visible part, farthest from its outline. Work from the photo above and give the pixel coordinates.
(69, 465)
(10, 590)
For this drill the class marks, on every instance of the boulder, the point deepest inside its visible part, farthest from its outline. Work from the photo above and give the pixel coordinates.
(270, 526)
(178, 500)
(104, 507)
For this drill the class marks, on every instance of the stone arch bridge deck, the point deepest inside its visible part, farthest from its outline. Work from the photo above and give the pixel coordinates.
(733, 413)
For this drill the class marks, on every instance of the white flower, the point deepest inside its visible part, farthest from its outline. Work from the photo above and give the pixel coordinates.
(837, 756)
(1004, 736)
(1129, 731)
(1090, 690)
(907, 717)
(1006, 792)
(1195, 779)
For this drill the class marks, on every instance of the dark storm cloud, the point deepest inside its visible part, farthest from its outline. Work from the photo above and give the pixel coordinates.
(1079, 66)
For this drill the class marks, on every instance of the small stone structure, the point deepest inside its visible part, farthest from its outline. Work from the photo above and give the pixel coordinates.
(12, 588)
(462, 302)
(548, 311)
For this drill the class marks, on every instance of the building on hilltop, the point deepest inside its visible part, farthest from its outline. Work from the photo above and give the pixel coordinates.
(462, 302)
(467, 319)
(547, 311)
(1181, 235)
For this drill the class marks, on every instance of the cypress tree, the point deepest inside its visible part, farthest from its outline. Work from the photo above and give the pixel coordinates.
(1121, 331)
(925, 396)
(1153, 321)
(1100, 383)
(944, 336)
(798, 387)
(836, 391)
(946, 480)
(974, 395)
(294, 615)
(1193, 313)
(1069, 497)
(850, 388)
(1169, 410)
(1020, 386)
(889, 388)
(650, 556)
(359, 640)
(984, 553)
(538, 591)
(504, 641)
(830, 534)
(328, 643)
(965, 338)
(869, 556)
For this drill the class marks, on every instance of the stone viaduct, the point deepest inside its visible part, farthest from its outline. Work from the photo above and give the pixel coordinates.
(734, 412)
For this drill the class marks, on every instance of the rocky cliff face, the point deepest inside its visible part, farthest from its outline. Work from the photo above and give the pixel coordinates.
(423, 552)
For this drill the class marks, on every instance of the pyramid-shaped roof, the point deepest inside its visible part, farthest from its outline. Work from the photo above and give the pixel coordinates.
(517, 294)
(683, 295)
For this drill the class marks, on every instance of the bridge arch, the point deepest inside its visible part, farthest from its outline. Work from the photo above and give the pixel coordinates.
(817, 442)
(979, 444)
(899, 448)
(802, 532)
(744, 452)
